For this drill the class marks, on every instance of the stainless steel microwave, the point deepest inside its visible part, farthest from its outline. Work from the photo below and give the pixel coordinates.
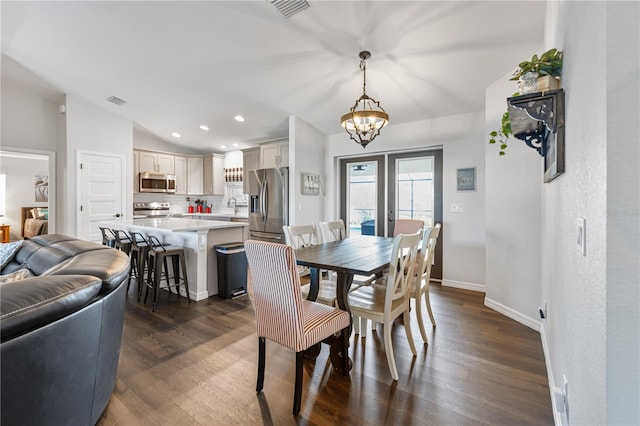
(157, 182)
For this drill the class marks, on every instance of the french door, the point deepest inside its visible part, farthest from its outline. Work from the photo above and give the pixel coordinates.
(415, 192)
(377, 190)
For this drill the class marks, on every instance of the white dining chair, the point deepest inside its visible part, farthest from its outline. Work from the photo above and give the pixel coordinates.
(407, 226)
(299, 236)
(384, 302)
(333, 230)
(422, 276)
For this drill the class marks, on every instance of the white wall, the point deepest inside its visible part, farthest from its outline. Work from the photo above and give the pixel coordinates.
(462, 140)
(513, 217)
(306, 155)
(592, 331)
(91, 128)
(29, 109)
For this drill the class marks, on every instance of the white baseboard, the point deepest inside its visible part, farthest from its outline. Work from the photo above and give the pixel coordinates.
(464, 285)
(513, 314)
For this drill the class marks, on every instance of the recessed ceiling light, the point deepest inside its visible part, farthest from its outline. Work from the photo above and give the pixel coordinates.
(176, 134)
(223, 146)
(239, 118)
(235, 144)
(203, 127)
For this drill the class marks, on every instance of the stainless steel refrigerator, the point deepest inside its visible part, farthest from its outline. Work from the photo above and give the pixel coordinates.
(268, 204)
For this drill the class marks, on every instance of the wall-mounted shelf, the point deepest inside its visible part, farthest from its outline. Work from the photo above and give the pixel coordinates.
(538, 120)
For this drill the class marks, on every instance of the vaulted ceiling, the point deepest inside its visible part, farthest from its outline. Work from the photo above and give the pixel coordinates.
(180, 64)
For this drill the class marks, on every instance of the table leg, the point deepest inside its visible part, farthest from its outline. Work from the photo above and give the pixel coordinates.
(343, 285)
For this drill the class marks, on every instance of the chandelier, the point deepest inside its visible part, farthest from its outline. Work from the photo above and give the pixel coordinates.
(366, 117)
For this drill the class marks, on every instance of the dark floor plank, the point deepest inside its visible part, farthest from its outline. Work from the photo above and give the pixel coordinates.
(195, 364)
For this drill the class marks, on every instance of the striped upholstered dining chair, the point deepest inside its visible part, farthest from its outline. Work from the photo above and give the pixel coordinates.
(283, 316)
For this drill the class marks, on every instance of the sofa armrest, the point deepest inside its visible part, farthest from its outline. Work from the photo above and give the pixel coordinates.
(31, 303)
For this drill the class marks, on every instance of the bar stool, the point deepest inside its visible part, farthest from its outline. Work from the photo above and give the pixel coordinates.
(123, 240)
(158, 254)
(139, 259)
(108, 238)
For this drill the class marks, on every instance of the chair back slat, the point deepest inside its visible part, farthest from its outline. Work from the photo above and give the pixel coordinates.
(332, 231)
(276, 292)
(299, 236)
(401, 267)
(407, 226)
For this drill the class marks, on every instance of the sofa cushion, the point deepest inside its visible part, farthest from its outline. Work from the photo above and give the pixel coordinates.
(34, 302)
(18, 275)
(7, 251)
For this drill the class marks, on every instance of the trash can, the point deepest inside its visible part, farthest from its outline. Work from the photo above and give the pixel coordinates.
(232, 270)
(368, 227)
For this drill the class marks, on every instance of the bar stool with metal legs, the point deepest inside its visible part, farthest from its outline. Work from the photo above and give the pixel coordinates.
(124, 244)
(139, 259)
(158, 254)
(108, 238)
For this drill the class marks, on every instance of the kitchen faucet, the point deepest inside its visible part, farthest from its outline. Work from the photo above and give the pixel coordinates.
(235, 202)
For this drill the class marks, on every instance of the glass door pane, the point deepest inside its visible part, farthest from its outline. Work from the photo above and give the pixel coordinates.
(414, 189)
(362, 195)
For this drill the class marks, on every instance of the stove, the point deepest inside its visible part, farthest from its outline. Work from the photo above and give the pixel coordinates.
(151, 209)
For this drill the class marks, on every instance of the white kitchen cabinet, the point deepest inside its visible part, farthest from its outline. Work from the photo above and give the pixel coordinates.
(159, 162)
(274, 154)
(180, 163)
(250, 161)
(195, 175)
(214, 174)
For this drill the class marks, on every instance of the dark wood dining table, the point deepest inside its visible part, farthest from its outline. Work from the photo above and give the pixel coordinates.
(360, 255)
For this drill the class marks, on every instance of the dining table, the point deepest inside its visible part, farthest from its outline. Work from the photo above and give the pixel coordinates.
(359, 255)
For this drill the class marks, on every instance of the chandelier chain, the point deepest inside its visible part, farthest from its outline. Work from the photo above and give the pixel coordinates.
(363, 68)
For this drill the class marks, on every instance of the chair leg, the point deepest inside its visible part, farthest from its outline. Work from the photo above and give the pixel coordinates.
(166, 273)
(423, 333)
(428, 301)
(407, 329)
(261, 362)
(363, 326)
(297, 396)
(356, 324)
(150, 267)
(184, 273)
(388, 349)
(176, 273)
(157, 276)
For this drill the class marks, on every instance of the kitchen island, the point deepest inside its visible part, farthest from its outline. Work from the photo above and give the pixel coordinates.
(198, 237)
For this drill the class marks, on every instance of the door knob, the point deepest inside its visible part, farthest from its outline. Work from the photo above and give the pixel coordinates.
(117, 214)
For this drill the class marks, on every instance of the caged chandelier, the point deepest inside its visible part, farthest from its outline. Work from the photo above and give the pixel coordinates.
(366, 117)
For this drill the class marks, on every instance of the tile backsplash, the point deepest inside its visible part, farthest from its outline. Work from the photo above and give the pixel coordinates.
(179, 203)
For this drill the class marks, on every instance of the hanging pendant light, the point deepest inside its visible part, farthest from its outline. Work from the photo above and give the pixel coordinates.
(366, 117)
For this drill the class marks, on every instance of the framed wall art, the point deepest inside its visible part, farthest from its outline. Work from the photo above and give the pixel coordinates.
(466, 179)
(310, 184)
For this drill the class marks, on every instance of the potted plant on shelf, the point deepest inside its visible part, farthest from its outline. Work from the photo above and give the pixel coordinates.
(545, 71)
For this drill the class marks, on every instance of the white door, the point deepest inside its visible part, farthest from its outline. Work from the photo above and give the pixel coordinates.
(102, 192)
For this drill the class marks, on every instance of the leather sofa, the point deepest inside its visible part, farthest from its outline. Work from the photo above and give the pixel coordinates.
(61, 331)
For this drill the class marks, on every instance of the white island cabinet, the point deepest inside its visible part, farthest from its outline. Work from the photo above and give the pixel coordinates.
(198, 237)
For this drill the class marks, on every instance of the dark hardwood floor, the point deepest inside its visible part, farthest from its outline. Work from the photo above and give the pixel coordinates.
(196, 364)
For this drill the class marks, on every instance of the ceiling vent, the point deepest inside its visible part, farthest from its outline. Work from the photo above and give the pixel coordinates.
(288, 8)
(116, 100)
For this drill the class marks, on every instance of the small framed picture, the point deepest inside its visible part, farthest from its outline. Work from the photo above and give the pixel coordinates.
(466, 179)
(310, 184)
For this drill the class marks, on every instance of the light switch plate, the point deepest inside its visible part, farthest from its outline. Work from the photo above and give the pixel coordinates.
(581, 235)
(457, 208)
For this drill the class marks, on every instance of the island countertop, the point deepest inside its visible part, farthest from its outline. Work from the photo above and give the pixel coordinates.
(175, 224)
